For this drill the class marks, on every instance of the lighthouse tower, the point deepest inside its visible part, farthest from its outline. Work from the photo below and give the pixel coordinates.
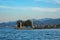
(33, 23)
(20, 24)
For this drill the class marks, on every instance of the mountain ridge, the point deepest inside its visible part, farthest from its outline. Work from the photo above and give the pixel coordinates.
(45, 21)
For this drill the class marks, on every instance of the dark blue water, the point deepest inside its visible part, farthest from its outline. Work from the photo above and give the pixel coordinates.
(17, 34)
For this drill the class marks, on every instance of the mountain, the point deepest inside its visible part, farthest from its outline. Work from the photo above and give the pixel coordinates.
(10, 24)
(47, 21)
(52, 22)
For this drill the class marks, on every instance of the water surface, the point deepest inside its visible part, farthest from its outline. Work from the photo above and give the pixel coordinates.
(41, 34)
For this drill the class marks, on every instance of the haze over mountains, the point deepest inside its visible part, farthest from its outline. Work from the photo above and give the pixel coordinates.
(45, 21)
(48, 21)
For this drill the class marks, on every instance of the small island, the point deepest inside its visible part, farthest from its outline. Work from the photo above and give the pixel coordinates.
(28, 24)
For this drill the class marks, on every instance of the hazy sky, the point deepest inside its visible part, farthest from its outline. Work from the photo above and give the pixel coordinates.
(28, 9)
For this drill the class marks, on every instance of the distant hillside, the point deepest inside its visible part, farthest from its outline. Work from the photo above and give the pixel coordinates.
(10, 24)
(45, 21)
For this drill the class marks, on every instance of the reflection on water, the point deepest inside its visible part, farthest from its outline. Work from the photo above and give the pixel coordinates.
(17, 34)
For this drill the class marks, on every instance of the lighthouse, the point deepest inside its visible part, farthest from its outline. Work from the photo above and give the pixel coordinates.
(33, 23)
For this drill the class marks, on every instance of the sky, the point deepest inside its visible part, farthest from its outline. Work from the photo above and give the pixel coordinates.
(11, 10)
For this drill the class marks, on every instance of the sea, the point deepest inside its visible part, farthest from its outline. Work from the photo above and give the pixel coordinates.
(35, 34)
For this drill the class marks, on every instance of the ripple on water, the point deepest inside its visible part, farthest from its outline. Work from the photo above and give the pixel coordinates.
(13, 34)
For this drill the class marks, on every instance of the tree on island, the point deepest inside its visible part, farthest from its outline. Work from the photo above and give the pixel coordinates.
(18, 23)
(28, 23)
(46, 26)
(58, 26)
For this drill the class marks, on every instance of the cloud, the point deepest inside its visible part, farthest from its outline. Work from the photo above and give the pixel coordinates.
(7, 7)
(57, 1)
(13, 8)
(7, 0)
(32, 9)
(45, 9)
(49, 1)
(30, 12)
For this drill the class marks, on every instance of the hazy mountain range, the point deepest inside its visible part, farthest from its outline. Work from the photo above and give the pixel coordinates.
(45, 21)
(48, 21)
